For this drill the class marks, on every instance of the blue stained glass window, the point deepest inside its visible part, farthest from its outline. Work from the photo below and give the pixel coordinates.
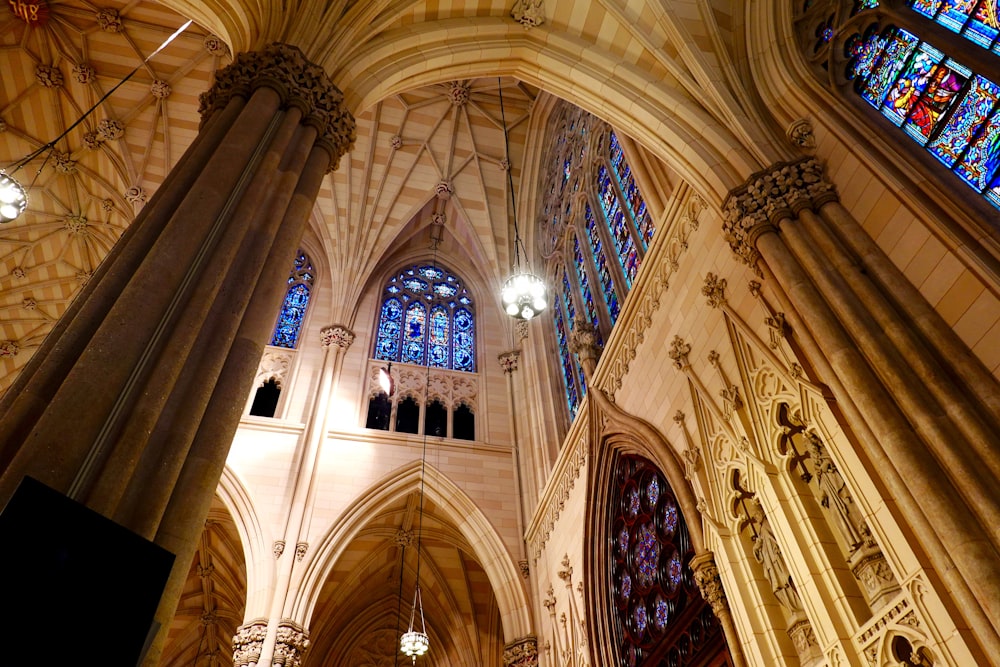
(430, 321)
(568, 364)
(633, 198)
(581, 276)
(600, 258)
(293, 308)
(648, 564)
(976, 20)
(937, 101)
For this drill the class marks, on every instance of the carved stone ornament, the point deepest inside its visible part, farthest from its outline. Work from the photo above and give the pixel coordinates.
(160, 89)
(63, 163)
(715, 290)
(443, 190)
(508, 361)
(706, 576)
(29, 303)
(84, 73)
(3, 125)
(800, 133)
(110, 129)
(528, 13)
(524, 567)
(291, 644)
(9, 348)
(521, 653)
(396, 142)
(336, 336)
(679, 351)
(521, 329)
(110, 20)
(778, 192)
(75, 224)
(803, 638)
(403, 538)
(583, 341)
(248, 642)
(18, 272)
(300, 551)
(135, 195)
(299, 83)
(278, 548)
(48, 76)
(870, 568)
(215, 46)
(458, 93)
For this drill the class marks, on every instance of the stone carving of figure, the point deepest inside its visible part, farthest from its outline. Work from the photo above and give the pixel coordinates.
(768, 553)
(835, 497)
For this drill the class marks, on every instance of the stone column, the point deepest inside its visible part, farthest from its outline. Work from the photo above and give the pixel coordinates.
(133, 402)
(871, 373)
(583, 343)
(521, 652)
(509, 362)
(706, 575)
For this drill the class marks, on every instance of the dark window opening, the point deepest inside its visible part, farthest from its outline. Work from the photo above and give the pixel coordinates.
(436, 419)
(464, 423)
(265, 401)
(379, 409)
(408, 416)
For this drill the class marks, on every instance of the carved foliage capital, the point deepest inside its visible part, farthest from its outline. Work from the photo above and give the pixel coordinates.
(291, 644)
(780, 191)
(521, 653)
(300, 83)
(508, 361)
(337, 336)
(706, 576)
(247, 643)
(583, 340)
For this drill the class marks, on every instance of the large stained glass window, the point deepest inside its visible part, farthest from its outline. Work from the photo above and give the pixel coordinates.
(594, 229)
(660, 617)
(937, 101)
(975, 20)
(427, 318)
(293, 308)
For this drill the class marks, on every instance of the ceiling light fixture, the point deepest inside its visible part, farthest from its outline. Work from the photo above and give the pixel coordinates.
(13, 196)
(523, 293)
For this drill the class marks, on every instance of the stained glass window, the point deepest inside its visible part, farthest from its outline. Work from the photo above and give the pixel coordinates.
(594, 228)
(427, 318)
(937, 101)
(658, 607)
(976, 20)
(293, 308)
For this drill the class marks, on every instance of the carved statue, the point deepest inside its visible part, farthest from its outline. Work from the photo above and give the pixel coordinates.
(835, 496)
(768, 553)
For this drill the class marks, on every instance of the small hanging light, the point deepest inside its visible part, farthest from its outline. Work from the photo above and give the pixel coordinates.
(523, 294)
(13, 199)
(415, 642)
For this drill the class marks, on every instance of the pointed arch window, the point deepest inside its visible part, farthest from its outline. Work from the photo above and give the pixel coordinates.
(594, 234)
(293, 308)
(931, 95)
(428, 319)
(659, 615)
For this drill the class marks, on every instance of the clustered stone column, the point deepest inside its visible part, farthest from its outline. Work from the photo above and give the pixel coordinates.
(521, 653)
(131, 404)
(925, 411)
(706, 576)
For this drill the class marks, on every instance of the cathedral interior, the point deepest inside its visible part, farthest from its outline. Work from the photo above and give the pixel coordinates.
(259, 308)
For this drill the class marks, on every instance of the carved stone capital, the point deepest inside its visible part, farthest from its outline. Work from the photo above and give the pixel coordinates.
(583, 341)
(248, 641)
(803, 637)
(299, 83)
(778, 192)
(338, 336)
(870, 568)
(291, 644)
(706, 575)
(508, 361)
(521, 652)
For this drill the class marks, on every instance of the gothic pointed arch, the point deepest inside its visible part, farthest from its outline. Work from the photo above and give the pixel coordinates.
(643, 528)
(458, 509)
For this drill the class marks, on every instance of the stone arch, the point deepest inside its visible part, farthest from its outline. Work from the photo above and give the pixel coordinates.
(459, 509)
(256, 545)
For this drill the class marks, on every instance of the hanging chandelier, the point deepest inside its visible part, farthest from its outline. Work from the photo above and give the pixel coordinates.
(523, 293)
(415, 642)
(13, 196)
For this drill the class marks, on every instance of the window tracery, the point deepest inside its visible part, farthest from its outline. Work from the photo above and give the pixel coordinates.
(293, 308)
(931, 95)
(660, 617)
(594, 230)
(427, 319)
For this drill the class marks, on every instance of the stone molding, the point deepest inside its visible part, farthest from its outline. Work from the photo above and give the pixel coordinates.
(521, 652)
(299, 83)
(336, 335)
(778, 192)
(248, 642)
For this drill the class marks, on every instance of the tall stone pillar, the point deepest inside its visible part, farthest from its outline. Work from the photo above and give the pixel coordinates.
(130, 406)
(935, 430)
(706, 576)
